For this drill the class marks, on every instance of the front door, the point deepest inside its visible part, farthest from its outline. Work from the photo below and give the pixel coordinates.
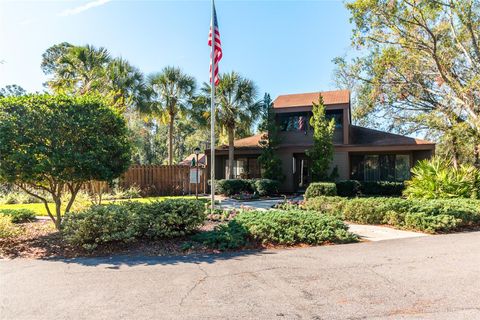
(301, 175)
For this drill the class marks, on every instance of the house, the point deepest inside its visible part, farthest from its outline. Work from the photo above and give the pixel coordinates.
(189, 160)
(360, 153)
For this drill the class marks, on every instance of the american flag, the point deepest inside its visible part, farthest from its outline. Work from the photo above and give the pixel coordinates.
(217, 52)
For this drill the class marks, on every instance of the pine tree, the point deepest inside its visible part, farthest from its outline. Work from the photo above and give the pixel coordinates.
(269, 161)
(321, 152)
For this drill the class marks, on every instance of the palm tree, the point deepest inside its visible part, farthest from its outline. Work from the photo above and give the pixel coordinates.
(236, 108)
(125, 85)
(81, 69)
(171, 95)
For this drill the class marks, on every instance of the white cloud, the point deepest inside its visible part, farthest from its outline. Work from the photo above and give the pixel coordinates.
(84, 7)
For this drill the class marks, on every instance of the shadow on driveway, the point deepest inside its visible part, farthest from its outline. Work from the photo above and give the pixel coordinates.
(115, 262)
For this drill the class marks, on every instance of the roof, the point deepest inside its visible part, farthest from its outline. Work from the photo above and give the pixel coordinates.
(367, 136)
(188, 160)
(307, 99)
(359, 136)
(248, 142)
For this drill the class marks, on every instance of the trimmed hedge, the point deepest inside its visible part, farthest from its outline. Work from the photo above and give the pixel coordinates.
(277, 227)
(262, 187)
(229, 187)
(19, 215)
(353, 188)
(128, 221)
(316, 189)
(266, 187)
(348, 188)
(382, 188)
(423, 215)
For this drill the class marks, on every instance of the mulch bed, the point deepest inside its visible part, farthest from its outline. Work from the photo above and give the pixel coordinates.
(40, 240)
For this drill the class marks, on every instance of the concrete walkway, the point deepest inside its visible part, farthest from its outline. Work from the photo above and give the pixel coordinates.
(379, 233)
(417, 278)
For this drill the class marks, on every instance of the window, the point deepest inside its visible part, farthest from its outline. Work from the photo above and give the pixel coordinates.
(294, 122)
(337, 115)
(380, 167)
(244, 168)
(402, 167)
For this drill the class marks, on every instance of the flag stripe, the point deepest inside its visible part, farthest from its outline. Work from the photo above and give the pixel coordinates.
(217, 49)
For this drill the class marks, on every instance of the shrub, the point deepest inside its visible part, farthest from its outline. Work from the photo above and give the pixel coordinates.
(266, 187)
(15, 197)
(423, 215)
(169, 218)
(19, 215)
(438, 179)
(7, 228)
(294, 227)
(428, 223)
(100, 224)
(262, 187)
(329, 205)
(225, 236)
(277, 227)
(128, 221)
(348, 188)
(382, 188)
(230, 187)
(316, 189)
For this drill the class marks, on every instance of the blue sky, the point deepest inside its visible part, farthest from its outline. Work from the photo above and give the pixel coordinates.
(284, 46)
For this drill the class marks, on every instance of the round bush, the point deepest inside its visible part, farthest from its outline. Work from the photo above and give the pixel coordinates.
(316, 189)
(267, 187)
(100, 224)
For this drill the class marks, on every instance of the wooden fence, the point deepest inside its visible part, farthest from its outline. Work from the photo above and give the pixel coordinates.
(157, 180)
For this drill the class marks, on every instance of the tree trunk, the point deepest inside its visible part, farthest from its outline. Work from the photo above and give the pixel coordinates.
(231, 138)
(170, 140)
(58, 211)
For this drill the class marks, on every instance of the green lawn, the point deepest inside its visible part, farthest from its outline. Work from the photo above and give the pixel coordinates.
(39, 208)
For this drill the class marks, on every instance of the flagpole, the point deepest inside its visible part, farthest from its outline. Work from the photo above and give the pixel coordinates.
(212, 113)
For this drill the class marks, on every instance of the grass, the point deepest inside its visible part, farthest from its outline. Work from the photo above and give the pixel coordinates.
(40, 210)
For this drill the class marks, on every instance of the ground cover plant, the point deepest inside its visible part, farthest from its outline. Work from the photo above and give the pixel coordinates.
(277, 227)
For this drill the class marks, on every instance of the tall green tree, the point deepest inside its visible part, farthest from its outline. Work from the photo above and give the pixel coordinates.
(418, 67)
(237, 108)
(269, 160)
(321, 153)
(171, 97)
(54, 144)
(87, 69)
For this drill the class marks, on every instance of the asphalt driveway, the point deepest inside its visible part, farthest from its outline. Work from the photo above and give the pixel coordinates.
(417, 278)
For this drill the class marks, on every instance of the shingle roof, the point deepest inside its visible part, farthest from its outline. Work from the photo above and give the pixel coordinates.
(306, 99)
(367, 136)
(188, 160)
(248, 142)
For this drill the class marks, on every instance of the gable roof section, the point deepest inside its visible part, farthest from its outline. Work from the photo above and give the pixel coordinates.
(248, 142)
(307, 99)
(367, 136)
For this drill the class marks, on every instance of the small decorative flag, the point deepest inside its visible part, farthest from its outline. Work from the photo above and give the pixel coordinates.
(217, 50)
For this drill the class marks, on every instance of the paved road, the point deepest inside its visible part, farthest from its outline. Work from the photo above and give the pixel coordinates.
(418, 278)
